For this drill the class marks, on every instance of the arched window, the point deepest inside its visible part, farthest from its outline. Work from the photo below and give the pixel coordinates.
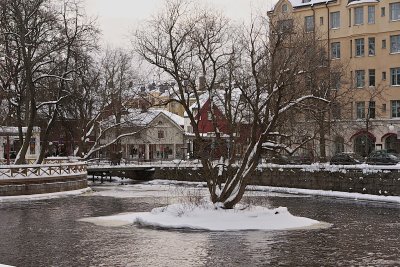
(338, 145)
(284, 8)
(392, 143)
(364, 144)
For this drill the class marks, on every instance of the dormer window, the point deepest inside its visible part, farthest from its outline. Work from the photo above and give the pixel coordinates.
(305, 1)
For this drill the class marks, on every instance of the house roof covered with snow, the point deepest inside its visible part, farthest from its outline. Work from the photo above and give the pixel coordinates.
(355, 2)
(7, 130)
(142, 118)
(303, 3)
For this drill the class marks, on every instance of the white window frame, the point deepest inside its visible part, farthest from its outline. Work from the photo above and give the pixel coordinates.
(394, 10)
(209, 116)
(371, 46)
(395, 108)
(309, 23)
(335, 20)
(395, 44)
(372, 107)
(371, 73)
(371, 14)
(360, 110)
(395, 76)
(359, 15)
(161, 134)
(335, 50)
(360, 47)
(360, 78)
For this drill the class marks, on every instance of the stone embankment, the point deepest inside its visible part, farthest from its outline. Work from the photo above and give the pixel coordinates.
(40, 179)
(375, 180)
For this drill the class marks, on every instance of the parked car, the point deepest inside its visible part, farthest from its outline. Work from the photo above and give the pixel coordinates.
(347, 158)
(301, 159)
(277, 159)
(383, 157)
(286, 159)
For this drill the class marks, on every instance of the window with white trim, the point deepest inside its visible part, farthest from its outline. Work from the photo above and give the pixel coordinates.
(371, 77)
(395, 76)
(395, 108)
(358, 15)
(335, 20)
(360, 78)
(371, 14)
(371, 46)
(335, 48)
(394, 9)
(360, 110)
(395, 44)
(309, 23)
(209, 115)
(360, 47)
(371, 109)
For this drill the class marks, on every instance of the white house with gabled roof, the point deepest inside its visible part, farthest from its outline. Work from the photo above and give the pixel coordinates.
(157, 135)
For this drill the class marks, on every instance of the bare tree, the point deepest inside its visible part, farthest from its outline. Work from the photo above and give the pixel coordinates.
(41, 38)
(251, 76)
(102, 92)
(79, 35)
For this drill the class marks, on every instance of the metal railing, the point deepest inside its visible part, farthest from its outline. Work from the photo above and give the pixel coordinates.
(42, 170)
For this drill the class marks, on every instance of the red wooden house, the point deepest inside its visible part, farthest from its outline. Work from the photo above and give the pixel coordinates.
(221, 140)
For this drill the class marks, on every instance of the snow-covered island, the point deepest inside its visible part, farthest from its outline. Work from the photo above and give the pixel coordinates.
(198, 214)
(212, 218)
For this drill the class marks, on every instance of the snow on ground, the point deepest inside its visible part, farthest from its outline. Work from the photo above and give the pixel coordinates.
(337, 194)
(210, 217)
(43, 196)
(163, 188)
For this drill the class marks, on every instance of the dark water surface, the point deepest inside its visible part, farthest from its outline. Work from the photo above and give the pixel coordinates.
(47, 233)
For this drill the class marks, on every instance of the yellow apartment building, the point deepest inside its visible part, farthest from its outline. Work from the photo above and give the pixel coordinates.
(364, 36)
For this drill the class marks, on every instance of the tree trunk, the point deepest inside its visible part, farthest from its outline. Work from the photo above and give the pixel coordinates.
(322, 139)
(45, 138)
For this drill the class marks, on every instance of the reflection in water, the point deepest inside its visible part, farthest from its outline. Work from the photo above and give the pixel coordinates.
(47, 233)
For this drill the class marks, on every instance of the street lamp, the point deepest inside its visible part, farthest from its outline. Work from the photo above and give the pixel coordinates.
(391, 127)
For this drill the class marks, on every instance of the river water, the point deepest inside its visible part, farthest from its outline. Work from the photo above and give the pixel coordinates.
(47, 233)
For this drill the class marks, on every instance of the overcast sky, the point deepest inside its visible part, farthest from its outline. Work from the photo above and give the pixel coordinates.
(118, 17)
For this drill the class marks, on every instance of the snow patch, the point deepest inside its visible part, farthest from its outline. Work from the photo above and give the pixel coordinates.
(36, 197)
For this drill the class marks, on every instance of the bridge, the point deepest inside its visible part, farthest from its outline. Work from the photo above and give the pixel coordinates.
(129, 171)
(136, 170)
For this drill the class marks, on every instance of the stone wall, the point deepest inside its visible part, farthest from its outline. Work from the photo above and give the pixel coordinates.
(13, 187)
(382, 182)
